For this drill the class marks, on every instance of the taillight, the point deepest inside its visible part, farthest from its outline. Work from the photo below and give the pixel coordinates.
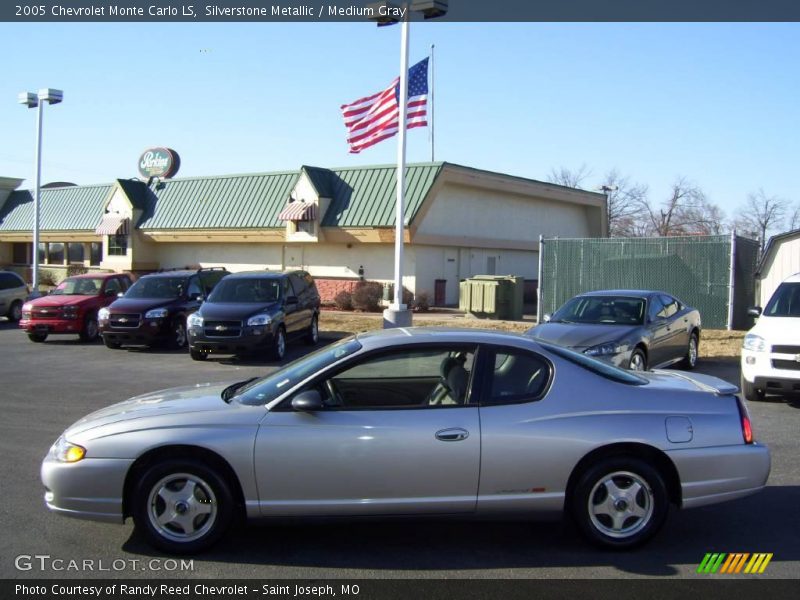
(747, 427)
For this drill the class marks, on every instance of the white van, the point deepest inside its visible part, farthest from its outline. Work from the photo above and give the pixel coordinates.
(771, 351)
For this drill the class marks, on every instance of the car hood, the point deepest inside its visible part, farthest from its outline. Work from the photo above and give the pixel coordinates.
(185, 401)
(60, 300)
(225, 311)
(778, 330)
(680, 380)
(577, 335)
(138, 305)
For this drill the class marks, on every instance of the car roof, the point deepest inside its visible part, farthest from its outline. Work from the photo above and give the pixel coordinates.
(792, 278)
(265, 274)
(422, 335)
(97, 275)
(180, 273)
(638, 293)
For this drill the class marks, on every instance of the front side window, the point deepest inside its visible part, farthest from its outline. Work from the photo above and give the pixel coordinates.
(404, 378)
(298, 283)
(10, 281)
(656, 309)
(785, 302)
(113, 287)
(194, 288)
(117, 245)
(671, 306)
(518, 376)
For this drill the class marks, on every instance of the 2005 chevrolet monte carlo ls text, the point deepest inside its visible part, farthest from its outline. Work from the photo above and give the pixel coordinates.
(413, 422)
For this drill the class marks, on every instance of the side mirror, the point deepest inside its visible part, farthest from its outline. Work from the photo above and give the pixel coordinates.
(196, 297)
(755, 311)
(111, 293)
(120, 295)
(291, 299)
(308, 401)
(546, 317)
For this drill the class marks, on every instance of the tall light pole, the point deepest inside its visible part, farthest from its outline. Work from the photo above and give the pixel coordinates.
(32, 100)
(398, 315)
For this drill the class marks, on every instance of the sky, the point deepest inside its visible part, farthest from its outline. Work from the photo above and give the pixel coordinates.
(715, 103)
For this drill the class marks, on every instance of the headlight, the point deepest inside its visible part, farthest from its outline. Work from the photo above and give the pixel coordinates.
(64, 451)
(754, 342)
(27, 307)
(102, 314)
(259, 320)
(604, 349)
(156, 313)
(194, 320)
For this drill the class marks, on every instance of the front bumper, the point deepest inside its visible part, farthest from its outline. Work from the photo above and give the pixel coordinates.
(88, 489)
(251, 339)
(49, 326)
(718, 474)
(150, 331)
(758, 368)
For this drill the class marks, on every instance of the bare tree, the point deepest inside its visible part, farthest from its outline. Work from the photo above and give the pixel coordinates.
(762, 214)
(686, 211)
(625, 202)
(568, 177)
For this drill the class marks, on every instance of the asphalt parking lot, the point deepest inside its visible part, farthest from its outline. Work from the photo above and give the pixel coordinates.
(46, 387)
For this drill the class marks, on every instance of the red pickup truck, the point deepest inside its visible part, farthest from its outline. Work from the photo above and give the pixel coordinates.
(72, 307)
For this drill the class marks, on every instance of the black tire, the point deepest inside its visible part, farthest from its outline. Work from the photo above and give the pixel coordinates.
(634, 517)
(198, 354)
(15, 311)
(111, 344)
(89, 331)
(750, 392)
(638, 360)
(180, 337)
(37, 337)
(278, 349)
(689, 361)
(312, 337)
(199, 517)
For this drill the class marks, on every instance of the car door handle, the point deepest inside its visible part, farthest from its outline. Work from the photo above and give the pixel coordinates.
(455, 434)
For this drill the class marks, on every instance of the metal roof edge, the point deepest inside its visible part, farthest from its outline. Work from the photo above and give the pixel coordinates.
(772, 243)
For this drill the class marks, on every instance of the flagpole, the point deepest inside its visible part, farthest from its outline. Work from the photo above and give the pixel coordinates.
(433, 81)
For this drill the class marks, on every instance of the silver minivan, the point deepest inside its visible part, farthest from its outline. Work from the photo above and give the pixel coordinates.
(13, 293)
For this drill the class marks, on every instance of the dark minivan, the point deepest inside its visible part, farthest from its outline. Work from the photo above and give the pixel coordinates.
(255, 311)
(155, 308)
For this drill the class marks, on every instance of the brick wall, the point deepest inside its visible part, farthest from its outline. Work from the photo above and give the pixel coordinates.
(328, 288)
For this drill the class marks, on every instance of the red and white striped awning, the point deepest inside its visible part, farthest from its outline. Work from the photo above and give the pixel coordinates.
(112, 224)
(299, 211)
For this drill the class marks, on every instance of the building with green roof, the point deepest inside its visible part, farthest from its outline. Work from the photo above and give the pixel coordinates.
(336, 223)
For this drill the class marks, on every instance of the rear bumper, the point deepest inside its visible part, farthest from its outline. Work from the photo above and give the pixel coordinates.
(50, 326)
(712, 475)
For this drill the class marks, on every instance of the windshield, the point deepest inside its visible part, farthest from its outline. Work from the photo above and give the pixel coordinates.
(157, 287)
(610, 310)
(266, 389)
(595, 366)
(78, 286)
(249, 290)
(785, 302)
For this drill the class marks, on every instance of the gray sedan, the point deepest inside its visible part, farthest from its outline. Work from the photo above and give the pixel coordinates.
(413, 422)
(634, 329)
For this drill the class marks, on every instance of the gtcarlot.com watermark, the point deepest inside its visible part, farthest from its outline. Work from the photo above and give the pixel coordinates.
(46, 562)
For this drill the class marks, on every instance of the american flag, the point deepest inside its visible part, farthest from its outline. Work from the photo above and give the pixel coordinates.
(375, 118)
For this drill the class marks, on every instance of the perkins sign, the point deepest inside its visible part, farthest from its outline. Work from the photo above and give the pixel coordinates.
(159, 162)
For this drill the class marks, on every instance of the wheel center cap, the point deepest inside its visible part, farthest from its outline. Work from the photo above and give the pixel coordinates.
(621, 505)
(181, 508)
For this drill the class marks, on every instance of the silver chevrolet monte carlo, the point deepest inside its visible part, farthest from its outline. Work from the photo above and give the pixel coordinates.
(413, 422)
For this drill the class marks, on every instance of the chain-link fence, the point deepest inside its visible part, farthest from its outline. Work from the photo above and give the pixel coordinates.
(699, 270)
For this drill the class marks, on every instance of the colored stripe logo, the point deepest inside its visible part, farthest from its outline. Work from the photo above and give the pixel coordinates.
(735, 563)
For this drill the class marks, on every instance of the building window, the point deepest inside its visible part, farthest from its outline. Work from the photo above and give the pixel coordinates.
(22, 253)
(96, 254)
(75, 252)
(55, 253)
(117, 245)
(309, 227)
(42, 252)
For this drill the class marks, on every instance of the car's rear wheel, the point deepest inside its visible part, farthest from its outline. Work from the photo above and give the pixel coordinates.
(751, 392)
(620, 502)
(15, 312)
(179, 339)
(111, 344)
(37, 337)
(312, 337)
(638, 361)
(90, 329)
(689, 361)
(182, 506)
(278, 349)
(198, 354)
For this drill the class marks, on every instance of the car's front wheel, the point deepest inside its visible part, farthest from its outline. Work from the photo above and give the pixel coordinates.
(182, 506)
(179, 338)
(90, 329)
(620, 502)
(638, 361)
(37, 337)
(751, 392)
(278, 350)
(15, 312)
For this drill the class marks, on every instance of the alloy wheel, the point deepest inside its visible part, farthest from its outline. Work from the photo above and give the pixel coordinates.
(182, 507)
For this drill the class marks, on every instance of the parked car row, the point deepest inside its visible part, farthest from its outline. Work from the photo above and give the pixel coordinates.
(209, 310)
